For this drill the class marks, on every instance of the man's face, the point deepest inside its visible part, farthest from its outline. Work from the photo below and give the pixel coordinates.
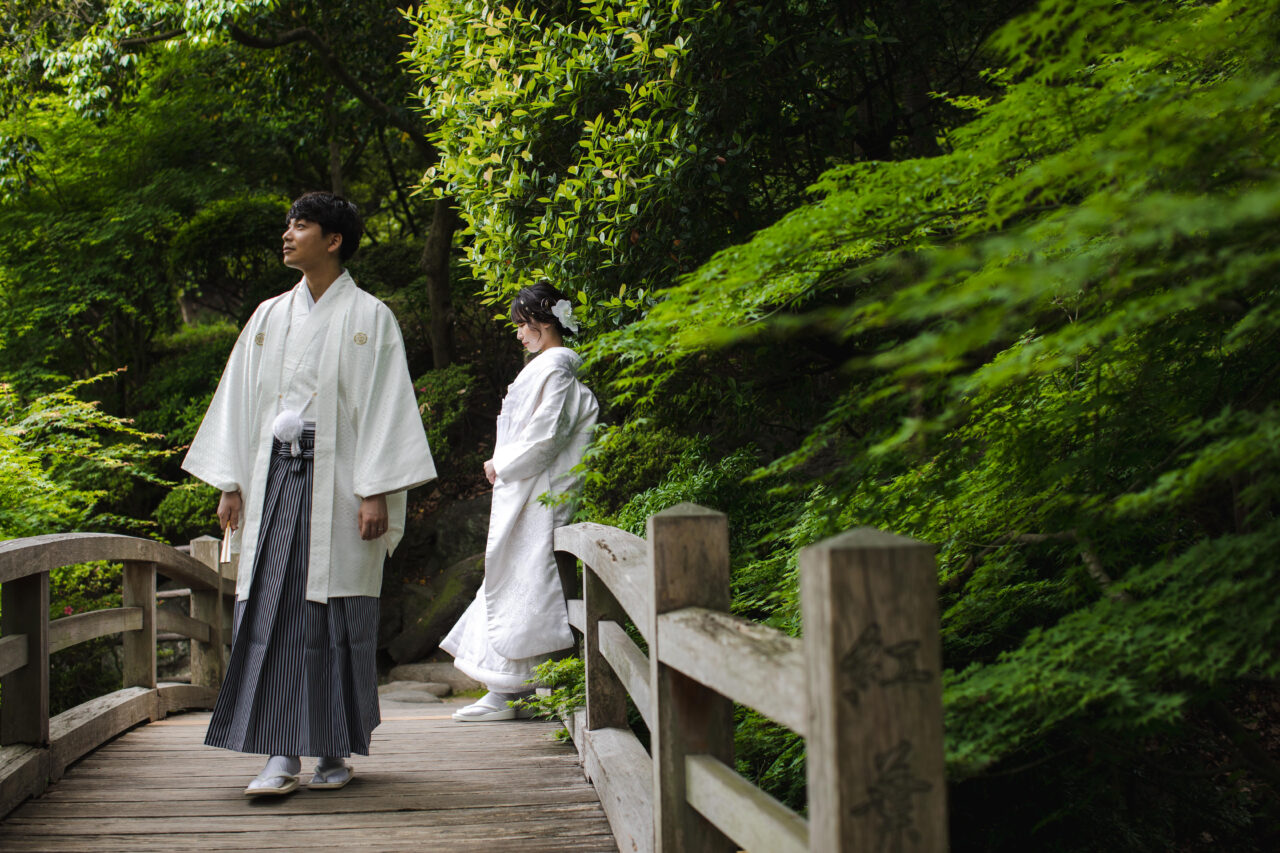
(306, 244)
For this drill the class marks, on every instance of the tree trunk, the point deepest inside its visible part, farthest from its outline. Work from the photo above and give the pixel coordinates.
(335, 150)
(435, 262)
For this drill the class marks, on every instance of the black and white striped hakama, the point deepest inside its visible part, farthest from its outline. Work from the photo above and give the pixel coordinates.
(302, 679)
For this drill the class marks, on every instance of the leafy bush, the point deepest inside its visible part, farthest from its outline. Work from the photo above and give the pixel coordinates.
(175, 394)
(62, 458)
(624, 461)
(1049, 350)
(188, 511)
(443, 396)
(86, 670)
(567, 678)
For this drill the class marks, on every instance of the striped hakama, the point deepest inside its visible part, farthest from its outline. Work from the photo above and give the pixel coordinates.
(302, 679)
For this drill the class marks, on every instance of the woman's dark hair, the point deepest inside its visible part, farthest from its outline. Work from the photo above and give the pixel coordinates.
(332, 213)
(535, 303)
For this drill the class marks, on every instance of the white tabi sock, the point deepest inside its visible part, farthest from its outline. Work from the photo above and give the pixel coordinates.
(278, 768)
(331, 768)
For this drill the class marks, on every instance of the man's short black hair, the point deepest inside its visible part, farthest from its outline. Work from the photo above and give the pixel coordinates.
(332, 213)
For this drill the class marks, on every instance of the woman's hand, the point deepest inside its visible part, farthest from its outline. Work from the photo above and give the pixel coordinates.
(372, 517)
(489, 472)
(230, 505)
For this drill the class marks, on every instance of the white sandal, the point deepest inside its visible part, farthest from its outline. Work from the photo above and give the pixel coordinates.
(491, 708)
(321, 779)
(286, 785)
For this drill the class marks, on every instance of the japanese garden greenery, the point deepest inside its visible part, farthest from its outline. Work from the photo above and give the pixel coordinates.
(1001, 277)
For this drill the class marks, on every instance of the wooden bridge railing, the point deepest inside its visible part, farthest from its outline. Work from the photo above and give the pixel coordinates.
(862, 687)
(34, 749)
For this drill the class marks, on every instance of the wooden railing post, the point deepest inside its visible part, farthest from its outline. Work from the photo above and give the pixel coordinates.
(139, 590)
(24, 712)
(875, 749)
(689, 553)
(206, 605)
(606, 694)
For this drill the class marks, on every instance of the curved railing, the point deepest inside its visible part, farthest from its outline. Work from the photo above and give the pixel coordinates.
(34, 748)
(862, 687)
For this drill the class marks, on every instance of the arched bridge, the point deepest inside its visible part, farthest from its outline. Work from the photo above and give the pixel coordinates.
(129, 771)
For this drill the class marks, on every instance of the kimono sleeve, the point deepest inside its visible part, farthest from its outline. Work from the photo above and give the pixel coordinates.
(547, 432)
(221, 454)
(391, 451)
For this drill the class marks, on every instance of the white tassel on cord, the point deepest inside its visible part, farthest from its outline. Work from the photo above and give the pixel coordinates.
(288, 427)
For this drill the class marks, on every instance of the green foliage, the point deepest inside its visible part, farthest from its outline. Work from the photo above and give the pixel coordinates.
(609, 146)
(225, 258)
(87, 670)
(188, 511)
(176, 393)
(553, 135)
(771, 756)
(443, 396)
(624, 461)
(61, 459)
(1051, 351)
(82, 268)
(567, 678)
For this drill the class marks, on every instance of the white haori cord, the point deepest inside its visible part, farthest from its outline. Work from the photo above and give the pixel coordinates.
(288, 427)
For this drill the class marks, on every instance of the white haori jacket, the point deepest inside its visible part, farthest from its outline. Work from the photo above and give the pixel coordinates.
(369, 437)
(545, 425)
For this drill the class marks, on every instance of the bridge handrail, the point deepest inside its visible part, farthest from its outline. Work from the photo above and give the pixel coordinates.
(862, 687)
(34, 748)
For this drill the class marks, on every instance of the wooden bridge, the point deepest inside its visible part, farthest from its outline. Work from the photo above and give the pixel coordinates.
(128, 771)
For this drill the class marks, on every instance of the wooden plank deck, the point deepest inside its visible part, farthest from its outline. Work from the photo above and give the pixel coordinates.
(429, 784)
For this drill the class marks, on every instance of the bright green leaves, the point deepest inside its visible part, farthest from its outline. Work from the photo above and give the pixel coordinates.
(563, 141)
(1058, 351)
(60, 458)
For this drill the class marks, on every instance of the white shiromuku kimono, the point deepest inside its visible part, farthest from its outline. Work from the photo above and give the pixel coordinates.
(518, 618)
(340, 362)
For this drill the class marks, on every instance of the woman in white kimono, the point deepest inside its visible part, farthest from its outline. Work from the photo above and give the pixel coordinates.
(519, 618)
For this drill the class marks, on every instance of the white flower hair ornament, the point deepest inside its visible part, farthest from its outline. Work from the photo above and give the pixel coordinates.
(563, 311)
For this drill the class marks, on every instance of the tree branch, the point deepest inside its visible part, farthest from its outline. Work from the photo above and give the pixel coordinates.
(1087, 555)
(339, 73)
(127, 44)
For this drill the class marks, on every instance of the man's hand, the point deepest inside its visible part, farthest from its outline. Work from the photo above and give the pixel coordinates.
(230, 505)
(489, 472)
(372, 518)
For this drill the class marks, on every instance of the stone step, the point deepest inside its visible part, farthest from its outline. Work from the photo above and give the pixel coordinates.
(441, 672)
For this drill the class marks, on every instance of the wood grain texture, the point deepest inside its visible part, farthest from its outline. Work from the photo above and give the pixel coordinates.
(68, 631)
(875, 750)
(24, 609)
(13, 653)
(689, 554)
(21, 558)
(753, 664)
(138, 590)
(622, 774)
(577, 613)
(171, 621)
(24, 772)
(630, 664)
(621, 560)
(184, 697)
(79, 731)
(429, 784)
(752, 818)
(208, 660)
(606, 692)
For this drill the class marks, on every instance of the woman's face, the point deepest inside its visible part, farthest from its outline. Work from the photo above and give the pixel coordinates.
(532, 334)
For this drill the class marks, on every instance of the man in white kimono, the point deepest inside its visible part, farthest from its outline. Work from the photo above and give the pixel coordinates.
(313, 437)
